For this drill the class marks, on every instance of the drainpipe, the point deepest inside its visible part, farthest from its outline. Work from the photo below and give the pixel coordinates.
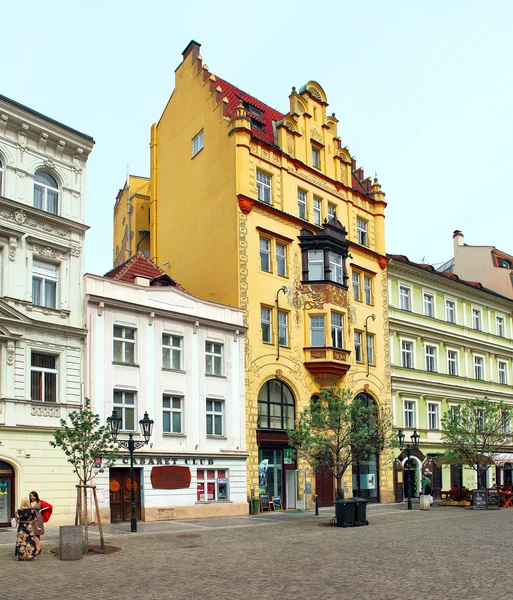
(284, 290)
(373, 317)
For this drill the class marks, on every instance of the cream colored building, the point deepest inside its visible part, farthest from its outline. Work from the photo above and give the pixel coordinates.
(42, 229)
(152, 347)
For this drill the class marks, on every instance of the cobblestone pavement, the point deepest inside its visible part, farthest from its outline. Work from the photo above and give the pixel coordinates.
(448, 553)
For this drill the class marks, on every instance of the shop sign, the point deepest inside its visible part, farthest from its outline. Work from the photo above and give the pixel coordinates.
(170, 478)
(160, 460)
(288, 456)
(222, 480)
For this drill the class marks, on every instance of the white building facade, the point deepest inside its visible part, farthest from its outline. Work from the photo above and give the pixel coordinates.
(42, 335)
(157, 349)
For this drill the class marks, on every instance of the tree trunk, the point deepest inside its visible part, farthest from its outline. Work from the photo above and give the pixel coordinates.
(85, 520)
(340, 492)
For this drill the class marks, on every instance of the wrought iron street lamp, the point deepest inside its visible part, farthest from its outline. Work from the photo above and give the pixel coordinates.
(415, 438)
(146, 425)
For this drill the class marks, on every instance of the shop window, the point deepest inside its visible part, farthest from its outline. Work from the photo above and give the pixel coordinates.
(275, 406)
(212, 485)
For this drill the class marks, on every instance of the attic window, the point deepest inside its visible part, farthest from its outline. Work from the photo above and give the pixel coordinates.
(505, 264)
(252, 110)
(257, 125)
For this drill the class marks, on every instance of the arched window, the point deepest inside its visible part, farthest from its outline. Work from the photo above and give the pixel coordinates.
(1, 179)
(46, 193)
(275, 406)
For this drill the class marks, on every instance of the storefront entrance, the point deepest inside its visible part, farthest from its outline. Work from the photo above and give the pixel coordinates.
(324, 487)
(366, 478)
(119, 485)
(6, 494)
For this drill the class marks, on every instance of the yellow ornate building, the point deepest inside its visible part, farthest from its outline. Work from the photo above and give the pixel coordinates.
(267, 211)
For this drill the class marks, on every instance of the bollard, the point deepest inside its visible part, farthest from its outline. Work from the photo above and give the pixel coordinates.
(316, 505)
(71, 542)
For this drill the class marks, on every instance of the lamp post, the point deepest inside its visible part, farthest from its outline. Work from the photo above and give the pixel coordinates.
(409, 449)
(146, 424)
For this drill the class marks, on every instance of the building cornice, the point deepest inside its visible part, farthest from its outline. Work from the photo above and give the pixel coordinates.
(103, 301)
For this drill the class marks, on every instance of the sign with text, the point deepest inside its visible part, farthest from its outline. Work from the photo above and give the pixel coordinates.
(170, 478)
(492, 499)
(479, 499)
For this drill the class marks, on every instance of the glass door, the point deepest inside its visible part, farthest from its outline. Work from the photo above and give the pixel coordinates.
(270, 472)
(6, 494)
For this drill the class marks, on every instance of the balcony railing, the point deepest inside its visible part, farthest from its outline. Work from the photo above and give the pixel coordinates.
(327, 360)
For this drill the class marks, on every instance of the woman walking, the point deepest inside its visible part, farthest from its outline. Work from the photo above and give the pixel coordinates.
(39, 527)
(25, 548)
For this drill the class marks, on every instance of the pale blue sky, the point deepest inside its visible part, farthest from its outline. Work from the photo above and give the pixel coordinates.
(423, 92)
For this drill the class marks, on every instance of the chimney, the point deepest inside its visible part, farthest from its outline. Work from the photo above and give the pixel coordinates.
(457, 238)
(193, 47)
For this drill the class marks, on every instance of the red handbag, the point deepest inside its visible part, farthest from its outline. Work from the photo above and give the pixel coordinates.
(47, 513)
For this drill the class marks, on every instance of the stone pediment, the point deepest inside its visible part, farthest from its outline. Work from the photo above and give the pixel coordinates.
(8, 314)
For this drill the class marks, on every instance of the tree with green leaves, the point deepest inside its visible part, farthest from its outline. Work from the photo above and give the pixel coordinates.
(83, 442)
(475, 431)
(336, 430)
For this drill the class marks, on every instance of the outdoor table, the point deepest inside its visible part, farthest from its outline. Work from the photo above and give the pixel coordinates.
(507, 498)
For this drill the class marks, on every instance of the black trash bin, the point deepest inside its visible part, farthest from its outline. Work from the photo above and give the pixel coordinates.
(360, 505)
(345, 513)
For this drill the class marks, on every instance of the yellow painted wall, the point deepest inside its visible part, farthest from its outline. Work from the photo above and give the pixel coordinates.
(207, 243)
(139, 221)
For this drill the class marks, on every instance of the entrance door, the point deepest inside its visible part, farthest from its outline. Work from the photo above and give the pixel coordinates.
(324, 487)
(437, 481)
(291, 489)
(456, 476)
(120, 508)
(411, 477)
(6, 494)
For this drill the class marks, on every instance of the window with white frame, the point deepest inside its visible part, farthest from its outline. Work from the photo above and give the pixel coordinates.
(337, 330)
(336, 268)
(430, 358)
(317, 211)
(480, 419)
(317, 336)
(315, 265)
(43, 377)
(124, 344)
(264, 187)
(404, 297)
(358, 346)
(503, 372)
(212, 485)
(433, 415)
(357, 289)
(450, 311)
(332, 211)
(281, 259)
(124, 403)
(266, 323)
(409, 414)
(367, 288)
(283, 328)
(500, 326)
(215, 417)
(172, 414)
(172, 346)
(214, 358)
(479, 367)
(506, 423)
(407, 354)
(452, 362)
(476, 319)
(454, 412)
(46, 193)
(301, 203)
(370, 349)
(316, 157)
(429, 304)
(361, 228)
(198, 143)
(265, 254)
(45, 277)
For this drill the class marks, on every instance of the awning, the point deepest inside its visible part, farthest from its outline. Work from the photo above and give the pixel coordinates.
(442, 460)
(504, 457)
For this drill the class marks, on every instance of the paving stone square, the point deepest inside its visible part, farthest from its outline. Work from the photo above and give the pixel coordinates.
(445, 553)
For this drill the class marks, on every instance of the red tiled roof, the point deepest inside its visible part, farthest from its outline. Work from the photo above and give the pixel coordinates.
(141, 266)
(269, 114)
(234, 94)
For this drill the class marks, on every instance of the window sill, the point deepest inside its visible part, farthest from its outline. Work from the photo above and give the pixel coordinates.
(267, 343)
(324, 281)
(215, 376)
(125, 364)
(198, 152)
(170, 370)
(169, 434)
(216, 437)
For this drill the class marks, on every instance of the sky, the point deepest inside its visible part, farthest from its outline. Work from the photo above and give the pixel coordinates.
(423, 92)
